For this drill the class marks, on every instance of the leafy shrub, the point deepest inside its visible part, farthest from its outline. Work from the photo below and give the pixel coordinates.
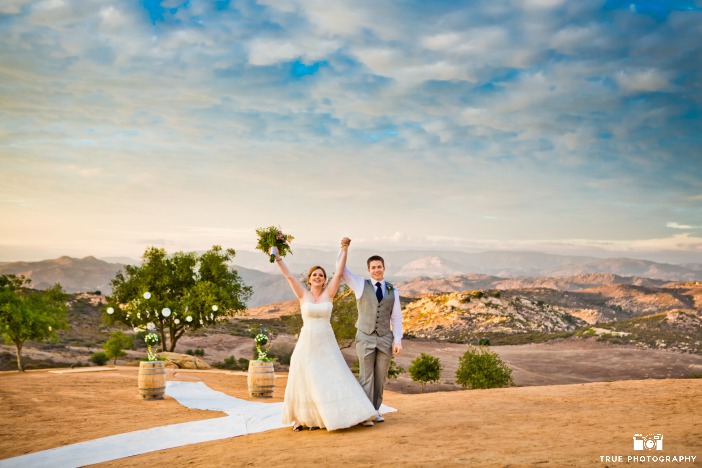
(481, 368)
(197, 352)
(394, 370)
(484, 342)
(425, 369)
(115, 346)
(99, 358)
(231, 363)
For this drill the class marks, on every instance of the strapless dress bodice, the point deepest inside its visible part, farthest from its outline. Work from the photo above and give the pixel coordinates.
(316, 311)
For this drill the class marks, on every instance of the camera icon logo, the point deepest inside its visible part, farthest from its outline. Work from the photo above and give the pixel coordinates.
(648, 442)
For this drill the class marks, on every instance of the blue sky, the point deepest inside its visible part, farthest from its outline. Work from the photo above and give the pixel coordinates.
(551, 125)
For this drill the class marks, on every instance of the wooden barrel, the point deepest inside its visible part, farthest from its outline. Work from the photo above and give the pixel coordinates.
(261, 379)
(152, 380)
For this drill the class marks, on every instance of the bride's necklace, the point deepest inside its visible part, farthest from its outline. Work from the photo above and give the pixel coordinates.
(315, 298)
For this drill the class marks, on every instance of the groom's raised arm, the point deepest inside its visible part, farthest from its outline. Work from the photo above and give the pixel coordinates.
(352, 281)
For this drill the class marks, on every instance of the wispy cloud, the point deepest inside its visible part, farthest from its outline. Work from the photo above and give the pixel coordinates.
(544, 119)
(682, 226)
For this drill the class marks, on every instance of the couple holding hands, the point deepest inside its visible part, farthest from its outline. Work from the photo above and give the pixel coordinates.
(321, 391)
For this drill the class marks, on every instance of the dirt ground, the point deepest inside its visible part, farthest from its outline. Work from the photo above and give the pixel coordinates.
(559, 425)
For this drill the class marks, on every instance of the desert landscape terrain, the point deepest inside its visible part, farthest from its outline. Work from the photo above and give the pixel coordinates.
(570, 407)
(559, 425)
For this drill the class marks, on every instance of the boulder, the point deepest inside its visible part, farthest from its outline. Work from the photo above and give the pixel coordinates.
(182, 361)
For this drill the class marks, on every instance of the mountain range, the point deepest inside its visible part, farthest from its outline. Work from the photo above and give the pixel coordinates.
(415, 271)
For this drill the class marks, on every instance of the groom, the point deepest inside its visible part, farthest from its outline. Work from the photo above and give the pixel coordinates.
(378, 308)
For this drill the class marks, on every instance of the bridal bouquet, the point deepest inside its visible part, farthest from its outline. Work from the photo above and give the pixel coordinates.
(273, 237)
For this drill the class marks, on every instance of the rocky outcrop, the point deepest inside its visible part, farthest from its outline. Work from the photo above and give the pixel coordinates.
(182, 361)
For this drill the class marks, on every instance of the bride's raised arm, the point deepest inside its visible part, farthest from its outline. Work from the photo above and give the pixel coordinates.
(295, 285)
(335, 281)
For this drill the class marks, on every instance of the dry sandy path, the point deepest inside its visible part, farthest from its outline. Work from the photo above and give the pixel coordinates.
(563, 425)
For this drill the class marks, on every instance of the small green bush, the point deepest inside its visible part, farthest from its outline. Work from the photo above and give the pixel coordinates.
(115, 346)
(425, 369)
(231, 363)
(484, 342)
(394, 370)
(481, 368)
(99, 358)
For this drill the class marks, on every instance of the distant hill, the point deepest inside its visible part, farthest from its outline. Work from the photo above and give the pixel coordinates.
(268, 288)
(656, 317)
(74, 274)
(424, 285)
(418, 271)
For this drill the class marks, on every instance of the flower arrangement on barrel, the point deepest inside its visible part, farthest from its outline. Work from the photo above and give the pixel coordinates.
(261, 374)
(151, 339)
(262, 340)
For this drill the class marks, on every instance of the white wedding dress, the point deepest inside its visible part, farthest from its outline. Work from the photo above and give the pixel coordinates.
(321, 390)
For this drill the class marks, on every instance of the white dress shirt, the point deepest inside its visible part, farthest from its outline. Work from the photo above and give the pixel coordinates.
(356, 283)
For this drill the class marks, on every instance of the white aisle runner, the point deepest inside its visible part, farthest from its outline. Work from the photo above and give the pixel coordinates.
(243, 417)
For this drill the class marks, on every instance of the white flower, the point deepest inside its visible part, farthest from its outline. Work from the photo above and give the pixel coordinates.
(201, 322)
(176, 321)
(139, 315)
(188, 318)
(110, 310)
(147, 295)
(166, 312)
(214, 308)
(136, 330)
(49, 327)
(150, 326)
(211, 316)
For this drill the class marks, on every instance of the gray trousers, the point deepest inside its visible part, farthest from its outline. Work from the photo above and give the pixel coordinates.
(374, 354)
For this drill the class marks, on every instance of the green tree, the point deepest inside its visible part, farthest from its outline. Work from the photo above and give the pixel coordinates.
(28, 314)
(481, 368)
(115, 346)
(176, 293)
(425, 369)
(344, 315)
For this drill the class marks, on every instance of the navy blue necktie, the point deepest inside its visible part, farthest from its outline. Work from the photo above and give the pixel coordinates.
(378, 292)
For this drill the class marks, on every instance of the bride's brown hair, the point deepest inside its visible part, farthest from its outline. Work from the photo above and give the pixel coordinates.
(312, 270)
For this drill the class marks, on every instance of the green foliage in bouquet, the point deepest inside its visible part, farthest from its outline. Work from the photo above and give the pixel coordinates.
(273, 237)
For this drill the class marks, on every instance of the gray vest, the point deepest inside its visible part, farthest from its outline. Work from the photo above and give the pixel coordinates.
(374, 316)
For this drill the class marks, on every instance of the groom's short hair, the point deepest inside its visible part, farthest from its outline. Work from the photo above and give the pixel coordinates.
(375, 257)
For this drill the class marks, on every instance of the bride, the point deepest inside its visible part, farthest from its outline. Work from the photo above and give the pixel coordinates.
(321, 391)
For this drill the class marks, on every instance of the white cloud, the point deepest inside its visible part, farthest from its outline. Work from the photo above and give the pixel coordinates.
(12, 7)
(673, 225)
(637, 81)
